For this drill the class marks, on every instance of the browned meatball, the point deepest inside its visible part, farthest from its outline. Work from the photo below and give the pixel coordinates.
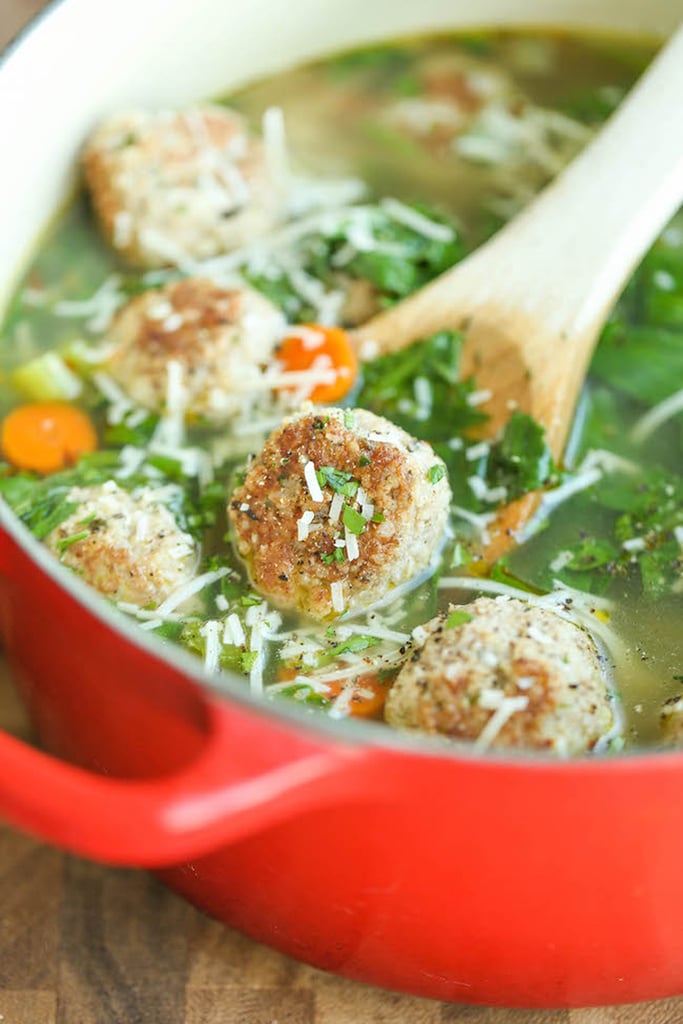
(173, 186)
(505, 674)
(126, 545)
(222, 338)
(338, 509)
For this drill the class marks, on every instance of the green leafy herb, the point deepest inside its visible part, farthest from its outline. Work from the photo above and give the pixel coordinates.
(436, 473)
(118, 434)
(624, 360)
(353, 521)
(66, 542)
(388, 390)
(404, 260)
(632, 534)
(457, 618)
(248, 660)
(521, 460)
(337, 555)
(338, 479)
(352, 645)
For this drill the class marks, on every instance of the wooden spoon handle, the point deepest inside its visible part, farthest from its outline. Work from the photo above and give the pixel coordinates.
(564, 259)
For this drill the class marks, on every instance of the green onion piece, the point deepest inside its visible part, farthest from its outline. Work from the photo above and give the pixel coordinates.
(66, 542)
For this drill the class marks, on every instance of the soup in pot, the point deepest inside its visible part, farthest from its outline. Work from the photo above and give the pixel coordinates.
(189, 426)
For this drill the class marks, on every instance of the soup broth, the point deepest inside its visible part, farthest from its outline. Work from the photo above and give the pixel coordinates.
(400, 159)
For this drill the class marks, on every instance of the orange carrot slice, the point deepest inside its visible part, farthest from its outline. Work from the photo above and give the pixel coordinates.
(46, 436)
(369, 696)
(313, 347)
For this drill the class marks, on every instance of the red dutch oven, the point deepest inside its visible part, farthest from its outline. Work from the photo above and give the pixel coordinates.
(440, 872)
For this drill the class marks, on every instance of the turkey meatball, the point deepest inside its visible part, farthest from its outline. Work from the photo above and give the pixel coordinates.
(339, 507)
(222, 338)
(172, 186)
(506, 674)
(127, 545)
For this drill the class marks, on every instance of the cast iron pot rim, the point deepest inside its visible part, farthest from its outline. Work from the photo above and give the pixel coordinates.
(232, 686)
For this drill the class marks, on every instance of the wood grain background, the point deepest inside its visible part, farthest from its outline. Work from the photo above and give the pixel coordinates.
(81, 944)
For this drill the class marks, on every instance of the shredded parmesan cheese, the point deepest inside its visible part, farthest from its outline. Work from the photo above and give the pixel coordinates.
(188, 590)
(417, 221)
(303, 524)
(503, 709)
(351, 542)
(209, 630)
(337, 592)
(312, 482)
(657, 416)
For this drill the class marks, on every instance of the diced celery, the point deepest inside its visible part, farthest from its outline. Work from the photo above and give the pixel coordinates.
(85, 357)
(46, 379)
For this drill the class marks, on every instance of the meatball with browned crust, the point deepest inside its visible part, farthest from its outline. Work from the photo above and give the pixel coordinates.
(504, 673)
(175, 186)
(222, 338)
(127, 545)
(339, 508)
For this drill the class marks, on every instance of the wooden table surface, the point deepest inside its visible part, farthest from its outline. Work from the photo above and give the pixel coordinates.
(82, 944)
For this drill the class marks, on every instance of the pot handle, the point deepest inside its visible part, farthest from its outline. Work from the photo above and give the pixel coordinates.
(175, 818)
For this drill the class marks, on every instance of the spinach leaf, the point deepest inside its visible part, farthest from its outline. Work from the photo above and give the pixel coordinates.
(592, 106)
(633, 534)
(362, 244)
(388, 388)
(521, 460)
(42, 502)
(643, 362)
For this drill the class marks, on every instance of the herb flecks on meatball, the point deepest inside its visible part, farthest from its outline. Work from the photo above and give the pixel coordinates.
(504, 673)
(127, 545)
(222, 339)
(176, 186)
(338, 509)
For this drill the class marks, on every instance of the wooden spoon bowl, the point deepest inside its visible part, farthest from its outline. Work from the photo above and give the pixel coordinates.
(533, 300)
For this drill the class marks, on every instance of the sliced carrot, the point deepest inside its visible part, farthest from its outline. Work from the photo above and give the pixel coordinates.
(368, 698)
(46, 436)
(313, 347)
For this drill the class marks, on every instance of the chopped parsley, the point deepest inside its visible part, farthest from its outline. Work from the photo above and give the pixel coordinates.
(353, 645)
(388, 388)
(338, 555)
(339, 480)
(457, 618)
(436, 473)
(353, 521)
(521, 461)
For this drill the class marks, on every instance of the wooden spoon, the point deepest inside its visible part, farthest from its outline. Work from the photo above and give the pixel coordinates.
(532, 301)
